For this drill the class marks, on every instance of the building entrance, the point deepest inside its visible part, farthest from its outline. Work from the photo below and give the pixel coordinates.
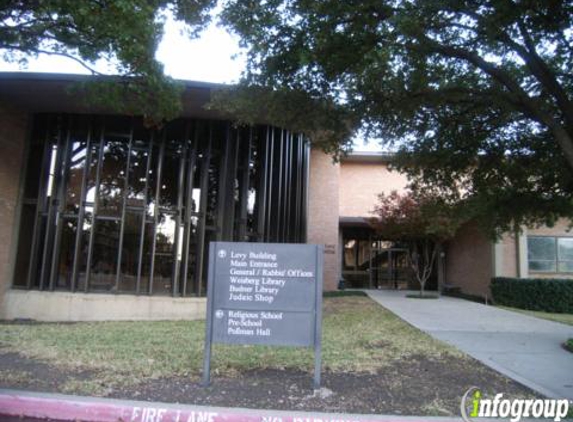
(371, 263)
(389, 268)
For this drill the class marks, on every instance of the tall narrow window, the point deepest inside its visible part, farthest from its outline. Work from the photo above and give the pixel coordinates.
(565, 254)
(111, 206)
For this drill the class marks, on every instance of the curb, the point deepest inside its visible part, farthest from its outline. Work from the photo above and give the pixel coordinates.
(61, 407)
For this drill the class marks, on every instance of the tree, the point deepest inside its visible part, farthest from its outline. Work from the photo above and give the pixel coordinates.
(125, 32)
(421, 222)
(476, 96)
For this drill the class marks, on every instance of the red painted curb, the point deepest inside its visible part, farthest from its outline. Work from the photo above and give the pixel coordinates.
(62, 408)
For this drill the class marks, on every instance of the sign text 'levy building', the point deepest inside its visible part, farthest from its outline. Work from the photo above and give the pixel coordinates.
(267, 294)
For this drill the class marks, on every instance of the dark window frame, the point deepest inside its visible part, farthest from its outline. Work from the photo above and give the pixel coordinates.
(231, 153)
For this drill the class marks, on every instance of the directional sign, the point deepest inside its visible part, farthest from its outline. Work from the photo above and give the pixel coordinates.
(264, 293)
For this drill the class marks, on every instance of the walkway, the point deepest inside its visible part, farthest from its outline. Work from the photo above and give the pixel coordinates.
(524, 348)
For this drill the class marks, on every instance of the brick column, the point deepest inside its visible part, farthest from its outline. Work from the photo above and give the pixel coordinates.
(13, 126)
(323, 213)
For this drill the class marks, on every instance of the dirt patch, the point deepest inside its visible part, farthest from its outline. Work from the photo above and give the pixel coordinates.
(412, 386)
(22, 373)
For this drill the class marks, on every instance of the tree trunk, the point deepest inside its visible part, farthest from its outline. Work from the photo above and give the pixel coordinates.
(422, 262)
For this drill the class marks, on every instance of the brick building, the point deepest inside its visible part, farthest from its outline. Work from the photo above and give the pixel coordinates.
(102, 218)
(469, 260)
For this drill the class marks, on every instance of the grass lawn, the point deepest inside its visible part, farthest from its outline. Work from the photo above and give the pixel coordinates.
(372, 361)
(563, 318)
(354, 328)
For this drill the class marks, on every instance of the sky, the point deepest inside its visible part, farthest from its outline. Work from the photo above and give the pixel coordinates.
(209, 58)
(213, 57)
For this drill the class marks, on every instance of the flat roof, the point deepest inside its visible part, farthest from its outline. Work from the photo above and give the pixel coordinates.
(354, 222)
(49, 92)
(368, 157)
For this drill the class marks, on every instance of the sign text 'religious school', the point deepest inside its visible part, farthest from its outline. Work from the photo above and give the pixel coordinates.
(268, 294)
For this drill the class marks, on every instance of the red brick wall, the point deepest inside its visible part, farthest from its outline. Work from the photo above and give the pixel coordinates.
(469, 261)
(12, 140)
(361, 183)
(507, 256)
(323, 213)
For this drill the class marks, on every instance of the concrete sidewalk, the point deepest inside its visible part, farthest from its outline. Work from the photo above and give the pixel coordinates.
(524, 348)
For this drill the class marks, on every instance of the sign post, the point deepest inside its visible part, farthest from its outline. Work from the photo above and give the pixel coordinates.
(264, 293)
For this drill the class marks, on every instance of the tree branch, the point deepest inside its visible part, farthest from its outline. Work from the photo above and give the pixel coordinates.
(535, 63)
(544, 74)
(51, 53)
(535, 109)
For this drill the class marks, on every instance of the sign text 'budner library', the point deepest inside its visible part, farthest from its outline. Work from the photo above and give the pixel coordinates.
(268, 294)
(257, 277)
(264, 293)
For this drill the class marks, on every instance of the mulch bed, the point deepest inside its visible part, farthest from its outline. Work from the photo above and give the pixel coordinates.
(413, 386)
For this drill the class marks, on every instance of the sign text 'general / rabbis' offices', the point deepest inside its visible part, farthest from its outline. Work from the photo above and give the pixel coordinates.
(268, 294)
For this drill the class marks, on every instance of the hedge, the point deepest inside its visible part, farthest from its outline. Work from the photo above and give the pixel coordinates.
(535, 294)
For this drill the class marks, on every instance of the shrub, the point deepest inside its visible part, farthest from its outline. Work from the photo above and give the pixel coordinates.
(536, 294)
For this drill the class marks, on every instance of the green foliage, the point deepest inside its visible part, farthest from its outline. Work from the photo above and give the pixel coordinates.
(422, 222)
(158, 100)
(569, 345)
(125, 32)
(415, 216)
(536, 294)
(328, 125)
(475, 95)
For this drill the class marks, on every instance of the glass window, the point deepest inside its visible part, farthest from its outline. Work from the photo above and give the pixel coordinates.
(67, 248)
(75, 175)
(136, 190)
(565, 254)
(169, 188)
(566, 266)
(164, 253)
(124, 190)
(541, 248)
(130, 251)
(104, 256)
(148, 234)
(363, 254)
(541, 254)
(544, 266)
(112, 178)
(87, 225)
(254, 178)
(565, 245)
(350, 249)
(550, 254)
